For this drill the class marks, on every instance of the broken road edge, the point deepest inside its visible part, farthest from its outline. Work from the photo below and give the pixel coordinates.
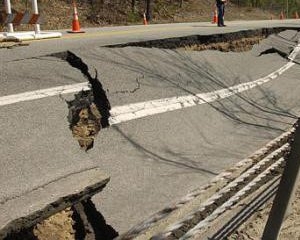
(30, 208)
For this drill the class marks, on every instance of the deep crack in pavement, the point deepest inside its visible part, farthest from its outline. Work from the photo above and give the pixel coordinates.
(90, 110)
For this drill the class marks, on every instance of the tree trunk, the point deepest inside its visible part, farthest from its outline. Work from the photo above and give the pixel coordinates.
(148, 10)
(133, 6)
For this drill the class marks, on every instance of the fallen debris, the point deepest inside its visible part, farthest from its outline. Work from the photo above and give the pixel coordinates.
(84, 118)
(274, 50)
(11, 44)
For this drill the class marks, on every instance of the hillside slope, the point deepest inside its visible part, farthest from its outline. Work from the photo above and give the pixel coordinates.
(57, 14)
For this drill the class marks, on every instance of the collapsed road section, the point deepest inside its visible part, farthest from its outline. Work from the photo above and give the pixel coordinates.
(233, 41)
(205, 213)
(94, 107)
(22, 212)
(89, 111)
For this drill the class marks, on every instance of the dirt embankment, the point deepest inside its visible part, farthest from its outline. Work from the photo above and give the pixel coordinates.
(253, 228)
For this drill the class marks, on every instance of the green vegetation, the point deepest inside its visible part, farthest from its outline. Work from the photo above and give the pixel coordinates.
(287, 6)
(57, 14)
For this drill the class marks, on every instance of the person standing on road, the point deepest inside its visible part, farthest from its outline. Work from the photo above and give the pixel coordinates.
(221, 10)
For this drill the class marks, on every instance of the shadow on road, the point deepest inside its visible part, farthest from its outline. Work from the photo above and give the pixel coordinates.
(183, 163)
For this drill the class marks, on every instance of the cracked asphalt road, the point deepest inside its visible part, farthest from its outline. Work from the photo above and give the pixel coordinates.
(155, 160)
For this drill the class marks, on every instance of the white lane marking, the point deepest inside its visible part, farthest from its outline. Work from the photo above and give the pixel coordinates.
(138, 110)
(143, 109)
(43, 93)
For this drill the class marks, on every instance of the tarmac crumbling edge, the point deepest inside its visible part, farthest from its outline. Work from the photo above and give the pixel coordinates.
(45, 201)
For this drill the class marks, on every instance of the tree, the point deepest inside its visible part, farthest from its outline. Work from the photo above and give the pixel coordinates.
(181, 3)
(133, 5)
(148, 10)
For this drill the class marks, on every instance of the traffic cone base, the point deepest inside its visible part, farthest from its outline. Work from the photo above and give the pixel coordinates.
(76, 27)
(214, 17)
(145, 19)
(281, 16)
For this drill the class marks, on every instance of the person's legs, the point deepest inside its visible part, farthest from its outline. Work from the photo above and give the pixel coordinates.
(223, 10)
(220, 15)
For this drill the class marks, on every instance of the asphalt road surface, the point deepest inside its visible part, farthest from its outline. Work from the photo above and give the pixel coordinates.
(169, 149)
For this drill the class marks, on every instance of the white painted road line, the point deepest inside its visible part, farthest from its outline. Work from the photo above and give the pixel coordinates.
(138, 110)
(143, 109)
(43, 93)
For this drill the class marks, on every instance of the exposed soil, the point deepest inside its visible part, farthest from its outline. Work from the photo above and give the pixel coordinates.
(71, 224)
(233, 41)
(57, 227)
(241, 45)
(82, 221)
(254, 227)
(89, 111)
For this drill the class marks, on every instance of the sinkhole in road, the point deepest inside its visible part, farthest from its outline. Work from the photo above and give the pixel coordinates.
(89, 110)
(239, 41)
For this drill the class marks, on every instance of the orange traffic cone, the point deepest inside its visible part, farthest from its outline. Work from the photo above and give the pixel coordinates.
(281, 16)
(296, 15)
(214, 16)
(145, 19)
(75, 22)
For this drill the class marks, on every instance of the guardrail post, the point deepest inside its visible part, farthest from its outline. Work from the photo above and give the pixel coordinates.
(286, 190)
(10, 27)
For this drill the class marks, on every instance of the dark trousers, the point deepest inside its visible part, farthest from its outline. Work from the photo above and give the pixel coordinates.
(221, 10)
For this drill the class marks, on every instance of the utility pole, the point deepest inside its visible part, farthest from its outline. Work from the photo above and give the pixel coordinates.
(181, 3)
